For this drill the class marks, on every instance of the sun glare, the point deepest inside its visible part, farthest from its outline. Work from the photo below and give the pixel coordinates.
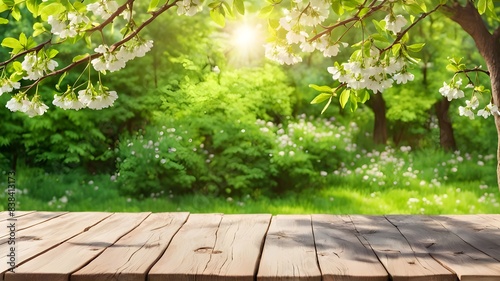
(245, 36)
(246, 44)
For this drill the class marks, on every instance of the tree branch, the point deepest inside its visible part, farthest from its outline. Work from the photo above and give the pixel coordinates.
(154, 15)
(39, 47)
(475, 69)
(356, 17)
(402, 33)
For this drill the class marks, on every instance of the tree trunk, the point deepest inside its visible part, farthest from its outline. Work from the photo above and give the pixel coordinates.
(488, 45)
(377, 104)
(446, 136)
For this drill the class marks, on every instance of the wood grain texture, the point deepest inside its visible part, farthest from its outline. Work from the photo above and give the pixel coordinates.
(476, 230)
(36, 240)
(29, 219)
(190, 250)
(426, 234)
(58, 263)
(289, 252)
(5, 215)
(341, 254)
(131, 257)
(237, 248)
(400, 259)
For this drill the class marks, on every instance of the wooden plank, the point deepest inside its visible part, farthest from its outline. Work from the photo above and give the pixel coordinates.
(400, 259)
(131, 257)
(38, 239)
(475, 230)
(190, 251)
(238, 247)
(492, 219)
(33, 218)
(58, 263)
(289, 252)
(6, 215)
(425, 234)
(341, 254)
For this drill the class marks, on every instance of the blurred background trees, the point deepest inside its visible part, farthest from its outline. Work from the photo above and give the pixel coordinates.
(202, 114)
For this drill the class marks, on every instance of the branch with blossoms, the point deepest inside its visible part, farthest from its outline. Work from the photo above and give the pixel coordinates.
(378, 61)
(75, 21)
(452, 90)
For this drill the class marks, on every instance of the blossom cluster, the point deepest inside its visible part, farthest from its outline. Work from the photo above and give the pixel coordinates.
(33, 107)
(7, 86)
(36, 66)
(103, 8)
(452, 91)
(113, 60)
(188, 7)
(68, 25)
(92, 97)
(371, 72)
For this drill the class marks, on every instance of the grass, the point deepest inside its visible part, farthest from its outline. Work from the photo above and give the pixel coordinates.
(391, 181)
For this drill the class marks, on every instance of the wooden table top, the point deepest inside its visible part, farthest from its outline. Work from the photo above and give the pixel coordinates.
(77, 246)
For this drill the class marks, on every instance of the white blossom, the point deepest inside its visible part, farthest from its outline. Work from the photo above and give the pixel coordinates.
(490, 109)
(294, 37)
(394, 23)
(281, 54)
(108, 61)
(188, 7)
(466, 111)
(6, 86)
(97, 98)
(403, 78)
(36, 67)
(103, 8)
(67, 25)
(452, 91)
(67, 102)
(32, 108)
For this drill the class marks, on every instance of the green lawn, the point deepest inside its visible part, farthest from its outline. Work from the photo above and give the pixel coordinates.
(387, 182)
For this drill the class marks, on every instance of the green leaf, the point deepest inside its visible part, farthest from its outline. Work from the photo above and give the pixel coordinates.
(363, 12)
(217, 17)
(52, 53)
(9, 3)
(12, 43)
(321, 88)
(266, 11)
(80, 57)
(23, 40)
(4, 21)
(18, 67)
(321, 98)
(415, 47)
(344, 97)
(354, 103)
(380, 26)
(481, 6)
(3, 7)
(16, 13)
(364, 96)
(38, 29)
(395, 49)
(337, 7)
(33, 6)
(326, 105)
(452, 68)
(152, 5)
(226, 9)
(52, 9)
(239, 6)
(58, 85)
(274, 23)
